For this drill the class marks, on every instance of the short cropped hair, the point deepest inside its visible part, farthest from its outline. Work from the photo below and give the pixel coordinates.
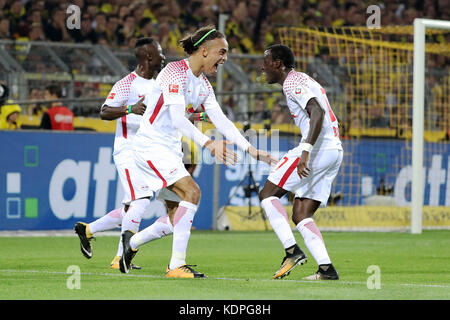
(138, 52)
(282, 53)
(143, 41)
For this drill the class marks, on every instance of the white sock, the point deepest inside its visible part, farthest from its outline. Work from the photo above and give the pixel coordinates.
(120, 245)
(182, 223)
(132, 219)
(313, 240)
(109, 221)
(120, 248)
(160, 228)
(279, 220)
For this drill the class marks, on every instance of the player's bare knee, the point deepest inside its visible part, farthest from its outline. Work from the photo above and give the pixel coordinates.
(298, 215)
(296, 219)
(193, 195)
(264, 194)
(261, 195)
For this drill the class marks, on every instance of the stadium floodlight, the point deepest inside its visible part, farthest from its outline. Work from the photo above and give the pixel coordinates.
(420, 26)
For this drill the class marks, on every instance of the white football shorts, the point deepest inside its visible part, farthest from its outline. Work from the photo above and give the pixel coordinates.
(125, 168)
(324, 166)
(156, 171)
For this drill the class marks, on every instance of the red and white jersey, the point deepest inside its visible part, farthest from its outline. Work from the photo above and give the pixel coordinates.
(126, 91)
(299, 88)
(175, 85)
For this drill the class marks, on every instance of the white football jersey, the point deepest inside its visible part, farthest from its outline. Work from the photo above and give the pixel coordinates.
(299, 88)
(126, 91)
(175, 85)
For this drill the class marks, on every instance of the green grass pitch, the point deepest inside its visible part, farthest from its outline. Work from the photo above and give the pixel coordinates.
(239, 265)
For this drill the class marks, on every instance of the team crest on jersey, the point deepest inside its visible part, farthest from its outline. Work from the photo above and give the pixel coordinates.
(173, 88)
(300, 90)
(112, 95)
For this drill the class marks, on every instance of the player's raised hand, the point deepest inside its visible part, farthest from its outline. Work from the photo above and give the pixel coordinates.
(139, 107)
(302, 166)
(262, 156)
(219, 150)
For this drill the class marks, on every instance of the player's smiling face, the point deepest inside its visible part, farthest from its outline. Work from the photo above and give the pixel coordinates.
(215, 53)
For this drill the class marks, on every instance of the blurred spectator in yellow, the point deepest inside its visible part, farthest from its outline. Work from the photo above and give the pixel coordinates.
(9, 117)
(110, 7)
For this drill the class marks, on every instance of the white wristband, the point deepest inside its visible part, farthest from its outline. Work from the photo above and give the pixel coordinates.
(306, 146)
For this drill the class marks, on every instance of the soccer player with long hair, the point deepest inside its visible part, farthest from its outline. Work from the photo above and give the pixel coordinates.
(182, 88)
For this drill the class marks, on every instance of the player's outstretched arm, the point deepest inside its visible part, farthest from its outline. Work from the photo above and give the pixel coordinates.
(229, 130)
(262, 156)
(113, 113)
(217, 148)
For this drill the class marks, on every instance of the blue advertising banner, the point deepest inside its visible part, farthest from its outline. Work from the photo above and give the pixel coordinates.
(52, 180)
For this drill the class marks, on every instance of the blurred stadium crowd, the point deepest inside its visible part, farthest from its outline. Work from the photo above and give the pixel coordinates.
(252, 26)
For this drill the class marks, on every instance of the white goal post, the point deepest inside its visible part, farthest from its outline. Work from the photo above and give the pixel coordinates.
(420, 26)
